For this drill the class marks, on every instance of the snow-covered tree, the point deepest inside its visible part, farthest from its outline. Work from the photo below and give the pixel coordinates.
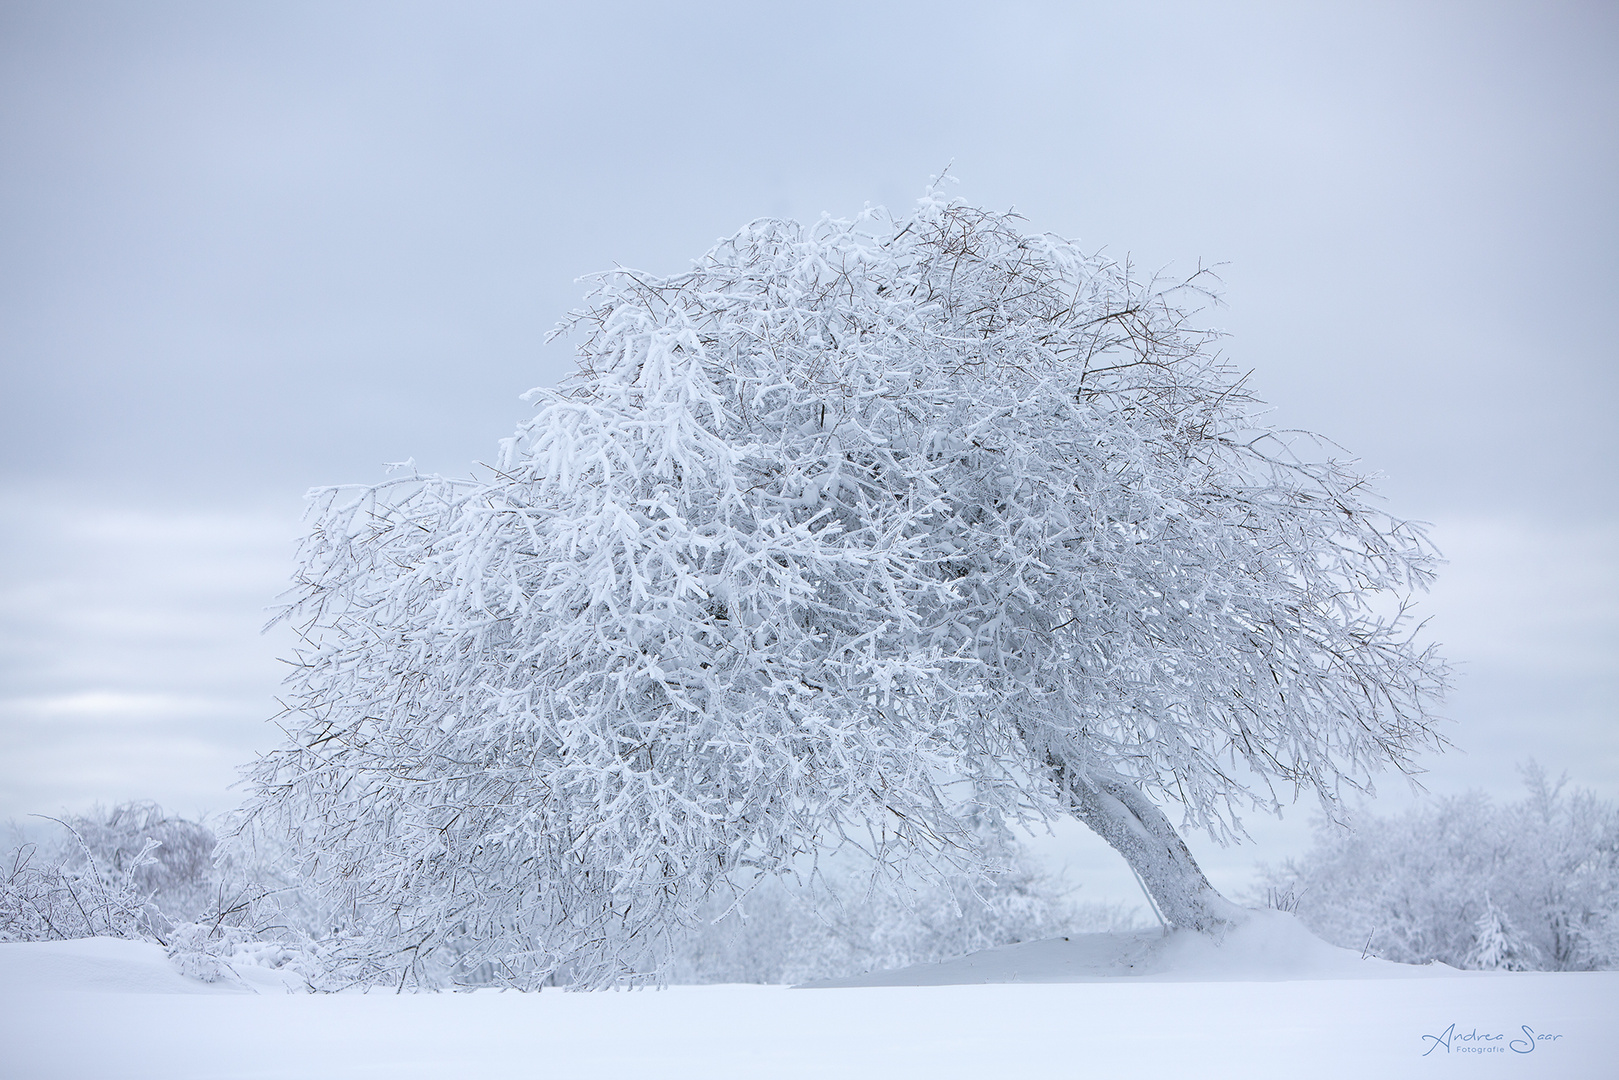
(851, 531)
(1497, 944)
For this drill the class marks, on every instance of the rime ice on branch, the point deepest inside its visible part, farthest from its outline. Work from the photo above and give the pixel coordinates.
(852, 530)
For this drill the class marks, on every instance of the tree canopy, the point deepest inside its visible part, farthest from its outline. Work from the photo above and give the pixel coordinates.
(851, 531)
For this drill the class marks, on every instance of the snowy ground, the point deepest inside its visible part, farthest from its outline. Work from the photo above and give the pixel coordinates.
(1268, 1002)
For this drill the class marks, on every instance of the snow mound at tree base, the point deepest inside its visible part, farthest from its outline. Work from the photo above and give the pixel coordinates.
(98, 965)
(119, 966)
(1271, 946)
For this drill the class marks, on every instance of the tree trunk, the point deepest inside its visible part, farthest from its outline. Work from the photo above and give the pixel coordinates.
(1118, 812)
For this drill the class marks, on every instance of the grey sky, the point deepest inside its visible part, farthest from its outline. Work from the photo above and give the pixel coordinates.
(246, 249)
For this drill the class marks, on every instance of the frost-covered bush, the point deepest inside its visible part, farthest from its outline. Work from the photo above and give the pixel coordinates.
(46, 897)
(168, 861)
(128, 872)
(137, 873)
(133, 872)
(140, 870)
(1529, 885)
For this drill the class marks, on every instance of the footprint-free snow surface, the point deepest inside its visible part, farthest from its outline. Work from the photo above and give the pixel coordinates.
(1267, 1001)
(1270, 946)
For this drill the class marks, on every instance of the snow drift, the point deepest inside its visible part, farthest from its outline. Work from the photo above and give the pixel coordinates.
(1270, 946)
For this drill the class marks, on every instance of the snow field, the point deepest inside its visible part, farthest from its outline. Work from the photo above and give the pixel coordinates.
(94, 1009)
(1328, 1028)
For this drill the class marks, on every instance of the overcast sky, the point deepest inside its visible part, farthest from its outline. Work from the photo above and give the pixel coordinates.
(249, 249)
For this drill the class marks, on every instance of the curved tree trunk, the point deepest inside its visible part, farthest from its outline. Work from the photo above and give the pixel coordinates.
(1118, 812)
